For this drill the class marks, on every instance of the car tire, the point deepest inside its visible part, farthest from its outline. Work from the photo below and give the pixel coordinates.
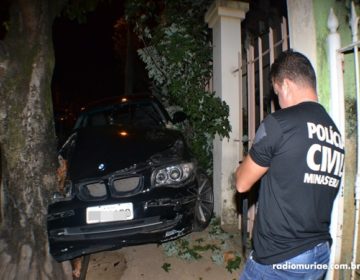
(204, 206)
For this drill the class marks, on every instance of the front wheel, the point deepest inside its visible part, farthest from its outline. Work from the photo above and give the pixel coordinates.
(204, 206)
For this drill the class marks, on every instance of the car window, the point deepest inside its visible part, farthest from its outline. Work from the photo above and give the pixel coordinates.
(143, 114)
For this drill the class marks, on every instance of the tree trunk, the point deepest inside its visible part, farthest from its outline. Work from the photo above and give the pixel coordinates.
(27, 142)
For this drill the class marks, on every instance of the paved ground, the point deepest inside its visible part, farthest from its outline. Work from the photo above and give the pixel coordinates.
(198, 256)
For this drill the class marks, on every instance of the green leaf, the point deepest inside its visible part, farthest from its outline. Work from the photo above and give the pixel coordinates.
(178, 58)
(233, 264)
(166, 267)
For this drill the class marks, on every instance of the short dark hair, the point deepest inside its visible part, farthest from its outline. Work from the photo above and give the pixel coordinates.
(293, 66)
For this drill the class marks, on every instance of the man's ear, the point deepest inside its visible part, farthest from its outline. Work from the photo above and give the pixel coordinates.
(286, 86)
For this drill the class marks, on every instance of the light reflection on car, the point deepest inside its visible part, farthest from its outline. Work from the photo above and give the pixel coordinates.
(130, 179)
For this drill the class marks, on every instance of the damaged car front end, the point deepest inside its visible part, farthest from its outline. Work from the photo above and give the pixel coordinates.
(127, 182)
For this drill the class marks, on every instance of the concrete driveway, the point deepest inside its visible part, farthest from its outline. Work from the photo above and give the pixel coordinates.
(209, 255)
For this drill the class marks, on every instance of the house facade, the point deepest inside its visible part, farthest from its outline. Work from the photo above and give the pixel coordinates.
(326, 32)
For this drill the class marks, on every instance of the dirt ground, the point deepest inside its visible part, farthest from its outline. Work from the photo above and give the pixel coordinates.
(208, 255)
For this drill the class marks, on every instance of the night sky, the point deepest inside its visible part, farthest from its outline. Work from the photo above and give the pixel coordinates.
(85, 67)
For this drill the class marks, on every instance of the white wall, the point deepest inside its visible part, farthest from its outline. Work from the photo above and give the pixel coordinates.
(302, 31)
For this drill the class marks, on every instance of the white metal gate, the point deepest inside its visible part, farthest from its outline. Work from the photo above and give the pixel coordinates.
(337, 55)
(257, 99)
(337, 110)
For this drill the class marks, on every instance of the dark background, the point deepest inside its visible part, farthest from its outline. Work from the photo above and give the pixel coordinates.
(90, 62)
(88, 66)
(85, 67)
(91, 57)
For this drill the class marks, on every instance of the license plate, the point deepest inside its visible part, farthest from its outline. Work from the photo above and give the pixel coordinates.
(109, 213)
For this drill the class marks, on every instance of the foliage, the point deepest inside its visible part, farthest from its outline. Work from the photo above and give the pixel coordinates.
(78, 9)
(350, 113)
(233, 264)
(218, 243)
(187, 250)
(177, 53)
(166, 267)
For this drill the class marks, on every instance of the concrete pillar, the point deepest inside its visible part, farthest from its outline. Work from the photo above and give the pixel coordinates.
(224, 18)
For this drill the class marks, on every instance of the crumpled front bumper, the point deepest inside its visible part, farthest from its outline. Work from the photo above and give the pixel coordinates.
(155, 221)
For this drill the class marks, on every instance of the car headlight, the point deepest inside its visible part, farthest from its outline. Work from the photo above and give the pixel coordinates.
(66, 194)
(173, 174)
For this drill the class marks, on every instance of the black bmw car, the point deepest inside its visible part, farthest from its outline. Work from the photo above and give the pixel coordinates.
(130, 179)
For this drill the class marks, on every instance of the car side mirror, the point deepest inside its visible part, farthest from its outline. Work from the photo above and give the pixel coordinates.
(179, 117)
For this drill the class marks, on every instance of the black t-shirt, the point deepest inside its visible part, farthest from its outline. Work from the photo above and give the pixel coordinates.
(305, 154)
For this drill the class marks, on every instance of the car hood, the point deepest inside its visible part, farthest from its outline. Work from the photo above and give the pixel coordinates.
(99, 151)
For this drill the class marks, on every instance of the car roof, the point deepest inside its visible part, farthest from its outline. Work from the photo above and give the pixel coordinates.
(114, 100)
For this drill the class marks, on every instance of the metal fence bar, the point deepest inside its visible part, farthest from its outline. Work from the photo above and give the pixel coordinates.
(241, 102)
(261, 79)
(336, 99)
(284, 34)
(251, 125)
(357, 181)
(337, 110)
(251, 95)
(252, 75)
(272, 58)
(354, 21)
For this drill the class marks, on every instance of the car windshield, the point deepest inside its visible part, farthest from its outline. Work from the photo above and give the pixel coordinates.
(144, 114)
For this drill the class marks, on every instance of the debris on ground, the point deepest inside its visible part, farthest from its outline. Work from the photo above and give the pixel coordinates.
(219, 245)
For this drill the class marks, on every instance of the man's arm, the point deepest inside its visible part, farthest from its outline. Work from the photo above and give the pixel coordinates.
(247, 174)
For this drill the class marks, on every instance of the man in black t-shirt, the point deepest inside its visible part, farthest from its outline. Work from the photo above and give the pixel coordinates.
(298, 153)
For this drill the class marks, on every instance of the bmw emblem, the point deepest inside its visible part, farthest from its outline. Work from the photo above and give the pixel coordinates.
(101, 167)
